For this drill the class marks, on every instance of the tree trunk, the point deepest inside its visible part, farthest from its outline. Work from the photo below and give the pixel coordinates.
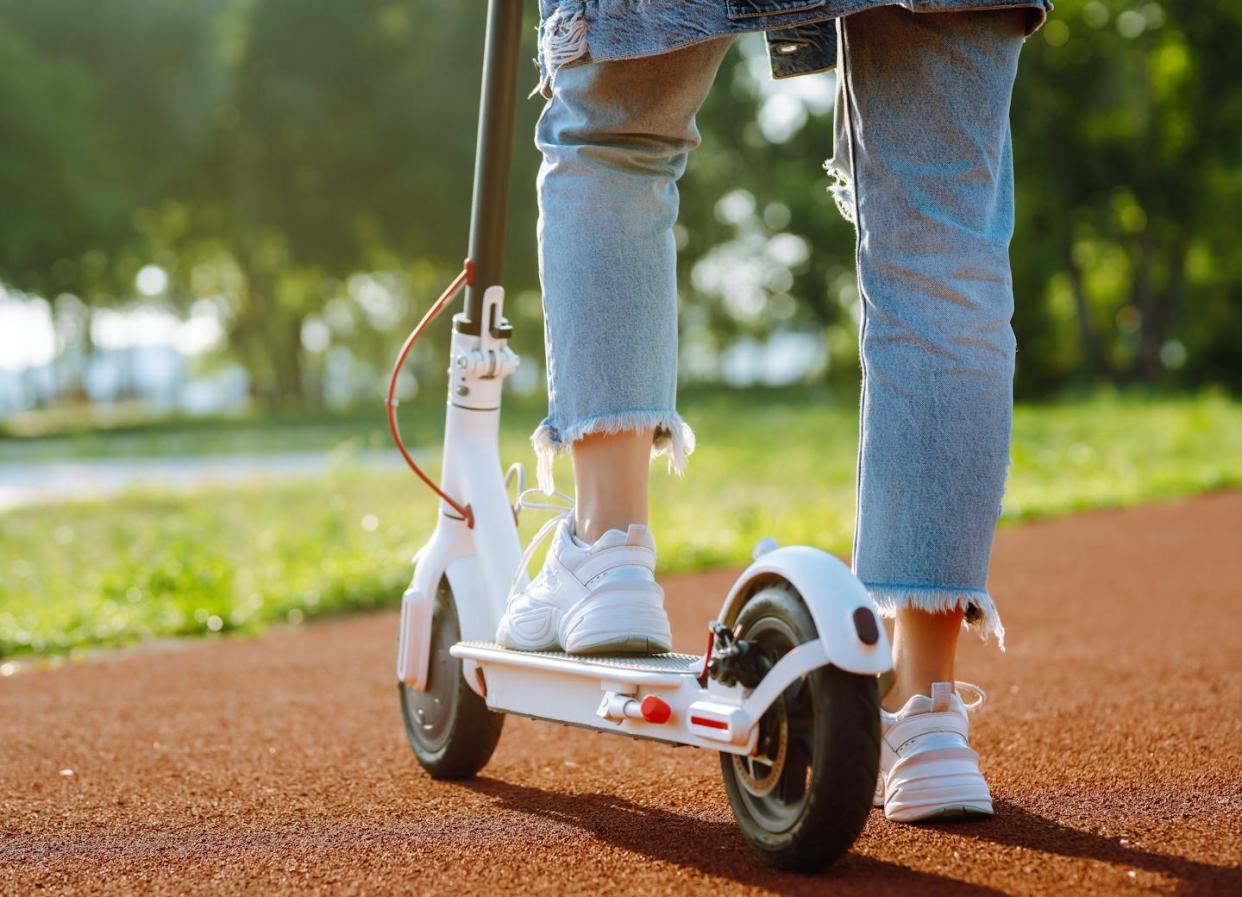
(1164, 307)
(267, 337)
(287, 358)
(71, 322)
(1087, 340)
(1146, 300)
(268, 343)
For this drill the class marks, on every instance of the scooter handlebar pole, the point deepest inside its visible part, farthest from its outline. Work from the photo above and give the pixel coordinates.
(492, 156)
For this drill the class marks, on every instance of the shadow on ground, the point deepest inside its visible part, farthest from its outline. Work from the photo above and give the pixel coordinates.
(715, 848)
(718, 849)
(1019, 827)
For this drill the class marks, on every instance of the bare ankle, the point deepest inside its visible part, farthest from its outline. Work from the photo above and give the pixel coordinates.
(903, 691)
(590, 526)
(610, 480)
(924, 651)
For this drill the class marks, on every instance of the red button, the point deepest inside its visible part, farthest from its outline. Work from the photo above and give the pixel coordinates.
(655, 710)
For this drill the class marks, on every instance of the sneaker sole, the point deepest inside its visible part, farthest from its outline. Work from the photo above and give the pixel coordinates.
(506, 638)
(942, 813)
(937, 785)
(629, 644)
(628, 618)
(965, 810)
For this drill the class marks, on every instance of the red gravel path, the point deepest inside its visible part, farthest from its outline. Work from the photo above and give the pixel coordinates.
(277, 764)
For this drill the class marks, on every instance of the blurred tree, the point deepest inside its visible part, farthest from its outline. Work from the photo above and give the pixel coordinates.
(1128, 144)
(763, 248)
(103, 116)
(103, 111)
(305, 166)
(346, 144)
(60, 197)
(1128, 133)
(261, 151)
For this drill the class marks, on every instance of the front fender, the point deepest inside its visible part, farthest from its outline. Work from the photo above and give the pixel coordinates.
(832, 594)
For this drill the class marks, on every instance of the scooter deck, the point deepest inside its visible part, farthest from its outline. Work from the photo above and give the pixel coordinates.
(664, 696)
(651, 670)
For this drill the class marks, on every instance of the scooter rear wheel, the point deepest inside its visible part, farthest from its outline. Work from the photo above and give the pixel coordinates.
(802, 801)
(449, 727)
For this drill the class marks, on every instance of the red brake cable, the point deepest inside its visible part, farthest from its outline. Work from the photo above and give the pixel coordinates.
(461, 280)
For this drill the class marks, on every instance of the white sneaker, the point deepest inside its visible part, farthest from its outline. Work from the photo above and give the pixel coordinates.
(927, 768)
(600, 598)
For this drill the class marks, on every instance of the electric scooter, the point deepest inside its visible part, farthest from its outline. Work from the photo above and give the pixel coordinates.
(786, 689)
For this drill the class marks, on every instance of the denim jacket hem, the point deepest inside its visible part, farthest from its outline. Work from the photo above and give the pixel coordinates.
(801, 34)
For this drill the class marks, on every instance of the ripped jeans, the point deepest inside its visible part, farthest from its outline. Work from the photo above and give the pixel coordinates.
(923, 167)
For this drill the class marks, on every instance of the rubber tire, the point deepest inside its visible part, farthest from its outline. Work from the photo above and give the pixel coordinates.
(846, 754)
(473, 730)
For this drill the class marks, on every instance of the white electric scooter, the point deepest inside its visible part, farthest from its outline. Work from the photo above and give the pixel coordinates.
(786, 691)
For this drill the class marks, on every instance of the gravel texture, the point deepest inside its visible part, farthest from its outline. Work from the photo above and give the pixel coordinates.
(277, 764)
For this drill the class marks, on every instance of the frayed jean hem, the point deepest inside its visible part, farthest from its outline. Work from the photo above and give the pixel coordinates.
(980, 612)
(673, 437)
(841, 188)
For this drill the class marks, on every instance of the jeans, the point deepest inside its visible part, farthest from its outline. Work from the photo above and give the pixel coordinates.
(923, 167)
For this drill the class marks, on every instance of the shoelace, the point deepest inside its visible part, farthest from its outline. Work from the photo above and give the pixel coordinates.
(980, 695)
(563, 511)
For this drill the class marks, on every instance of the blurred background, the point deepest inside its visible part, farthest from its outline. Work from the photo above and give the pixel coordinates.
(220, 218)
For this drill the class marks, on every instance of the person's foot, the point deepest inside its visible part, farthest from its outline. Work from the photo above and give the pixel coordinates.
(600, 598)
(928, 769)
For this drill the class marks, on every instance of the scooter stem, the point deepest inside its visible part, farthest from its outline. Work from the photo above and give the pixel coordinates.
(492, 155)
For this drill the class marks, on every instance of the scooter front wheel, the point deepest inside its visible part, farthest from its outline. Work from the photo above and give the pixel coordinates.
(803, 798)
(449, 727)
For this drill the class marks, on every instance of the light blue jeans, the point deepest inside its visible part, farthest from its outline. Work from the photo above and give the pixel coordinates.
(923, 167)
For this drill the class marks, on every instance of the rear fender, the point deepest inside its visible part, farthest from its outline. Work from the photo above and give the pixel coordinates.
(846, 619)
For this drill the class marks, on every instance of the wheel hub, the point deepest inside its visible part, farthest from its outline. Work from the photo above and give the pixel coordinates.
(761, 773)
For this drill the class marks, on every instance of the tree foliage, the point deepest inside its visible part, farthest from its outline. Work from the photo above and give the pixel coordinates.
(305, 165)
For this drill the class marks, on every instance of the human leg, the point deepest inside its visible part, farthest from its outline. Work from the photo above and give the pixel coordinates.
(610, 480)
(925, 171)
(929, 178)
(615, 138)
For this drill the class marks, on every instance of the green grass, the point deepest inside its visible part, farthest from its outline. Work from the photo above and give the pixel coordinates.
(769, 463)
(48, 436)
